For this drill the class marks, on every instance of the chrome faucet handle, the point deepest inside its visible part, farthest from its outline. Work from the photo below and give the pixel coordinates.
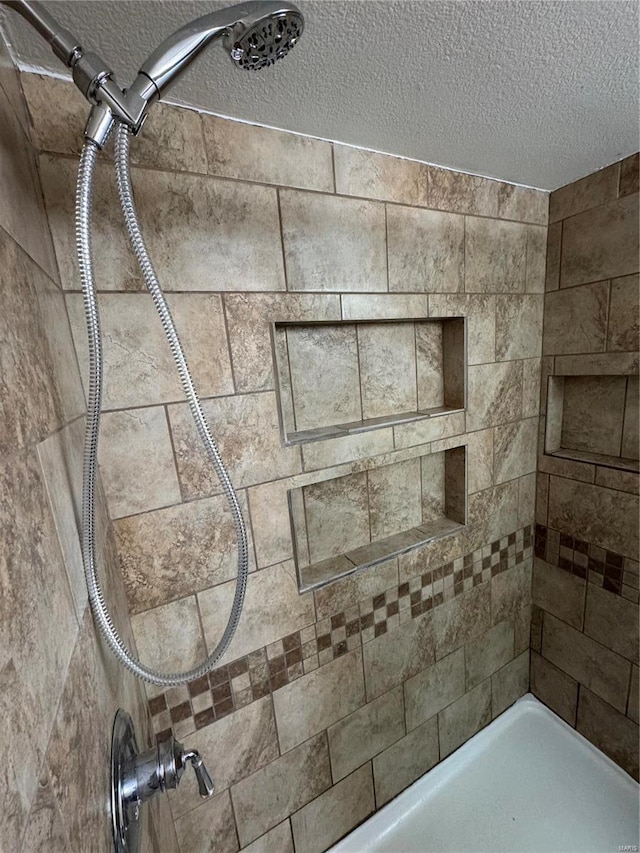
(205, 782)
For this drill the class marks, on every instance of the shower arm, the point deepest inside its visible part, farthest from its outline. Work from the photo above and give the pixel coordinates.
(96, 80)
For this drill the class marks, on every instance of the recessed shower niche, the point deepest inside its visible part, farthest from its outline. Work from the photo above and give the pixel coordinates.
(344, 524)
(339, 378)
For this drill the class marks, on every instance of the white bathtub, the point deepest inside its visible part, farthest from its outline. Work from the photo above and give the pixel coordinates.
(528, 782)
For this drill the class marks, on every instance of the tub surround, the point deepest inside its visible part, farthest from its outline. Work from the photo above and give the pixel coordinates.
(60, 687)
(584, 661)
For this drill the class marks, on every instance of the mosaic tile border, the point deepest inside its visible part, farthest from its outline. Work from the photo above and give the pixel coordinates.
(185, 709)
(613, 572)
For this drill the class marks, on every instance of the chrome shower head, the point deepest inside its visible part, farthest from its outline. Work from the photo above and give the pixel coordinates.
(268, 40)
(255, 34)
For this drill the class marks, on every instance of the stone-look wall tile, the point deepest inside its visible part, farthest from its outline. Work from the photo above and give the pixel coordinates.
(330, 816)
(629, 169)
(565, 468)
(253, 153)
(554, 687)
(426, 250)
(479, 313)
(324, 375)
(432, 689)
(601, 516)
(233, 748)
(136, 461)
(199, 231)
(536, 259)
(600, 243)
(559, 592)
(462, 193)
(593, 413)
(514, 449)
(172, 137)
(526, 500)
(495, 256)
(138, 364)
(464, 718)
(350, 591)
(37, 633)
(622, 333)
(429, 429)
(248, 319)
(430, 362)
(246, 430)
(404, 762)
(267, 797)
(31, 402)
(594, 666)
(335, 451)
(522, 629)
(61, 457)
(45, 831)
(270, 523)
(22, 213)
(462, 619)
(495, 394)
(615, 735)
(395, 498)
(169, 638)
(575, 320)
(433, 486)
(337, 513)
(369, 730)
(277, 840)
(315, 701)
(542, 498)
(380, 176)
(493, 513)
(612, 621)
(210, 828)
(393, 306)
(509, 683)
(554, 247)
(523, 204)
(199, 537)
(488, 653)
(510, 592)
(624, 481)
(634, 695)
(588, 192)
(631, 433)
(272, 609)
(518, 327)
(394, 657)
(12, 96)
(333, 244)
(387, 354)
(609, 364)
(480, 460)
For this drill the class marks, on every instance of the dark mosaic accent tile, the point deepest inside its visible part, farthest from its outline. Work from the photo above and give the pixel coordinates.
(219, 676)
(180, 712)
(353, 627)
(295, 671)
(519, 556)
(426, 578)
(291, 642)
(221, 692)
(477, 580)
(200, 685)
(159, 703)
(580, 571)
(458, 577)
(276, 665)
(223, 708)
(511, 539)
(565, 564)
(366, 621)
(403, 589)
(165, 734)
(427, 604)
(495, 570)
(293, 657)
(468, 560)
(437, 574)
(415, 597)
(486, 562)
(566, 541)
(260, 690)
(580, 546)
(495, 547)
(238, 667)
(614, 560)
(613, 572)
(379, 601)
(612, 585)
(595, 566)
(204, 718)
(338, 621)
(278, 679)
(380, 628)
(447, 570)
(438, 599)
(324, 642)
(393, 608)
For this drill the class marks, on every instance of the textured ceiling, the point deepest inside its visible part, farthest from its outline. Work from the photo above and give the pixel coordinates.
(539, 93)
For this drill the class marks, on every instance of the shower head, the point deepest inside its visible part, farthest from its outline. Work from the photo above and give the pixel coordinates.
(255, 34)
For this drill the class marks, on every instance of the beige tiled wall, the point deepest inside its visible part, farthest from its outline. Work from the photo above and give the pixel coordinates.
(585, 577)
(59, 686)
(328, 703)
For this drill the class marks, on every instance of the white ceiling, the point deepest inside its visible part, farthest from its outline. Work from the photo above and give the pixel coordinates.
(539, 93)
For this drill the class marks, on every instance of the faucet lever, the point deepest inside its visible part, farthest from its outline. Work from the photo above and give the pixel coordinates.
(205, 782)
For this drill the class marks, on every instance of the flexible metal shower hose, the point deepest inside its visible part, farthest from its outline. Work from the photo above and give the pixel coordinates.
(84, 193)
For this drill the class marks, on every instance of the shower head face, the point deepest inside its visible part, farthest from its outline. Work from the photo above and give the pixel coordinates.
(268, 40)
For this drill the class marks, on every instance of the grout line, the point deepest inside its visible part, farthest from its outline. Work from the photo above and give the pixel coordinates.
(386, 246)
(281, 233)
(174, 455)
(223, 308)
(333, 168)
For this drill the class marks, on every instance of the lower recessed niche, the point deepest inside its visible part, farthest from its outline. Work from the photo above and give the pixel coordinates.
(593, 419)
(334, 379)
(345, 524)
